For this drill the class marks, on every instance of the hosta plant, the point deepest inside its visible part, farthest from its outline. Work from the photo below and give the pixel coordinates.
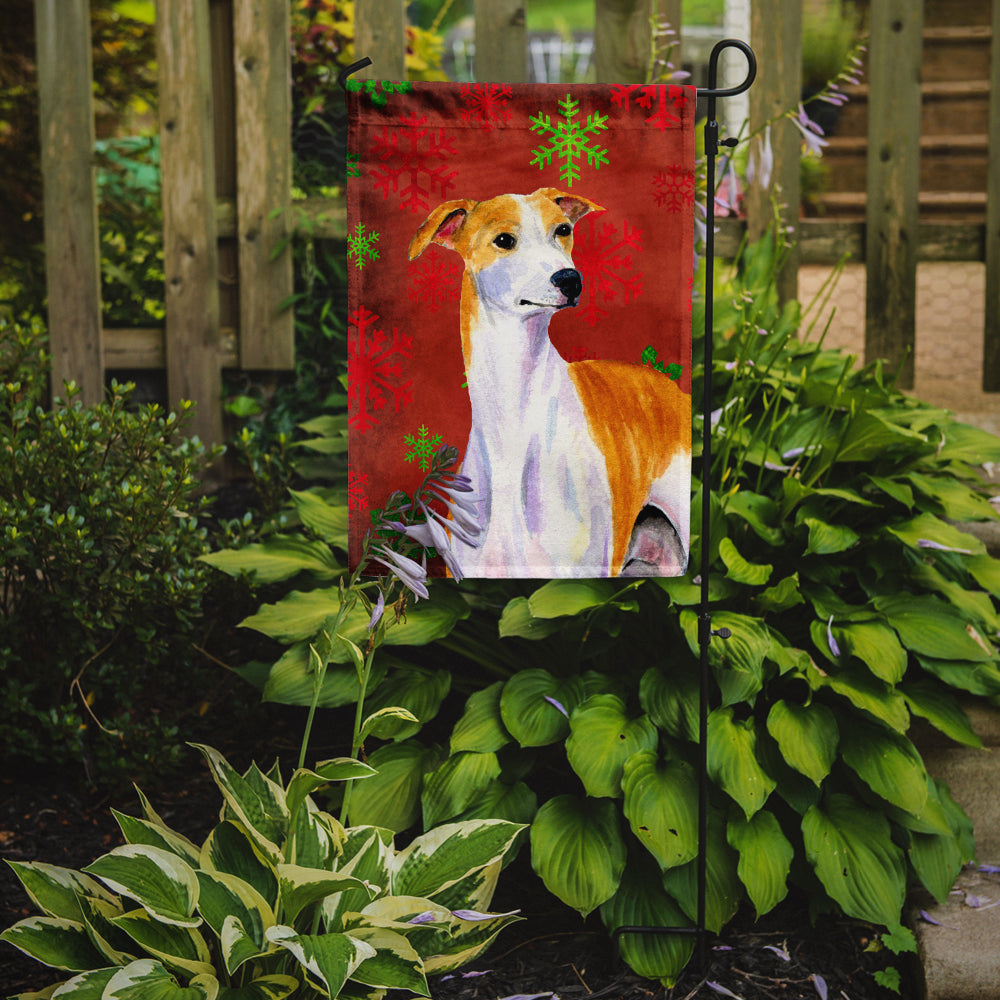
(855, 603)
(279, 900)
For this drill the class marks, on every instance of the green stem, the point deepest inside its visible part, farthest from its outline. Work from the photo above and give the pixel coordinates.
(356, 737)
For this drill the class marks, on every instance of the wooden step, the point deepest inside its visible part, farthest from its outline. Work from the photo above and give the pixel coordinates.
(947, 105)
(947, 162)
(940, 13)
(956, 53)
(958, 206)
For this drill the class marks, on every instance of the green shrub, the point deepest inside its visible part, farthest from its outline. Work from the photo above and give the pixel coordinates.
(280, 899)
(99, 546)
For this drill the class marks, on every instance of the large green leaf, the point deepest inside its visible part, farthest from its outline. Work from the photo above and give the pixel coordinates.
(395, 964)
(765, 858)
(807, 736)
(739, 569)
(535, 706)
(230, 849)
(54, 941)
(888, 763)
(732, 760)
(456, 784)
(301, 887)
(738, 661)
(225, 897)
(827, 539)
(864, 691)
(147, 979)
(926, 528)
(941, 709)
(327, 520)
(391, 798)
(143, 831)
(180, 948)
(602, 737)
(851, 850)
(304, 782)
(641, 901)
(758, 511)
(279, 558)
(871, 435)
(558, 598)
(292, 680)
(661, 800)
(56, 891)
(516, 803)
(671, 699)
(958, 502)
(517, 620)
(932, 628)
(578, 851)
(876, 646)
(438, 859)
(481, 728)
(976, 678)
(418, 690)
(163, 884)
(330, 959)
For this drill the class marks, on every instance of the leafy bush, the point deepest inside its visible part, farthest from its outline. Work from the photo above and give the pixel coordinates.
(279, 899)
(99, 539)
(855, 604)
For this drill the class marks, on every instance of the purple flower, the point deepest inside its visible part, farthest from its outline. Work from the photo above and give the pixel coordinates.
(834, 648)
(780, 952)
(427, 917)
(761, 163)
(927, 543)
(377, 612)
(811, 132)
(475, 915)
(820, 983)
(410, 572)
(558, 705)
(719, 988)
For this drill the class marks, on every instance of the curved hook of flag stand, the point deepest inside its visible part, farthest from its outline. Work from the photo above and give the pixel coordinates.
(705, 631)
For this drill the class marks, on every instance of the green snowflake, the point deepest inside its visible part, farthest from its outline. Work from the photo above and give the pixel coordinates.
(361, 245)
(569, 140)
(353, 166)
(423, 448)
(378, 91)
(648, 357)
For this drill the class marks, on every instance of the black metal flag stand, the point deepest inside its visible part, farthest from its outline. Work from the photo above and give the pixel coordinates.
(705, 631)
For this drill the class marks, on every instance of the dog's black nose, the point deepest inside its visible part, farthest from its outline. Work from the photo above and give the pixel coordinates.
(569, 282)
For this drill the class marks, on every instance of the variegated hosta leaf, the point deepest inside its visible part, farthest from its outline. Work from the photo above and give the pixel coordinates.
(116, 946)
(535, 706)
(177, 947)
(888, 763)
(661, 799)
(732, 760)
(467, 940)
(225, 897)
(391, 799)
(765, 858)
(441, 857)
(300, 887)
(230, 849)
(807, 736)
(367, 853)
(147, 979)
(315, 838)
(54, 941)
(304, 782)
(87, 986)
(56, 891)
(158, 880)
(141, 831)
(329, 959)
(723, 889)
(256, 801)
(475, 891)
(481, 727)
(850, 847)
(395, 964)
(274, 987)
(642, 902)
(602, 737)
(456, 784)
(578, 851)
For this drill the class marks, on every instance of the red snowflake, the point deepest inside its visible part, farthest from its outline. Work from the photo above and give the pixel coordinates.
(436, 282)
(372, 373)
(408, 154)
(579, 353)
(650, 94)
(604, 259)
(486, 103)
(673, 189)
(357, 483)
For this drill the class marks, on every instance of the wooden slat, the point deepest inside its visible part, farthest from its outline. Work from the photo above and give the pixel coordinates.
(991, 332)
(144, 348)
(776, 36)
(621, 40)
(893, 184)
(190, 254)
(262, 61)
(72, 257)
(501, 41)
(380, 34)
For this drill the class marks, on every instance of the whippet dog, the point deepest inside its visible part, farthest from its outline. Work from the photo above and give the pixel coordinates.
(583, 469)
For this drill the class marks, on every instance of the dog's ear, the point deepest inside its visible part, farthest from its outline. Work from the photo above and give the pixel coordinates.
(440, 226)
(573, 205)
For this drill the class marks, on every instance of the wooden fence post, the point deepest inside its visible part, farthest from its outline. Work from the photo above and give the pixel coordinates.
(72, 255)
(776, 35)
(991, 332)
(501, 41)
(262, 61)
(190, 252)
(621, 40)
(892, 215)
(380, 34)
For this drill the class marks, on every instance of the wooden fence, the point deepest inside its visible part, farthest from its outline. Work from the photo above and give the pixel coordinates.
(226, 161)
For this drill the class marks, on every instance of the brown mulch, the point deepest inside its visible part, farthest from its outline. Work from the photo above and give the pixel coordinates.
(551, 952)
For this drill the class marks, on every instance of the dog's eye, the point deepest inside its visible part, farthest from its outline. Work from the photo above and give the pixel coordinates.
(505, 241)
(564, 229)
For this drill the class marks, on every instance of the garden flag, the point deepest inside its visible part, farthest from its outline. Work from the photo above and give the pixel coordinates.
(520, 275)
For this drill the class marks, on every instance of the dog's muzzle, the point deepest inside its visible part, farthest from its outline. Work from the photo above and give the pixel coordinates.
(569, 282)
